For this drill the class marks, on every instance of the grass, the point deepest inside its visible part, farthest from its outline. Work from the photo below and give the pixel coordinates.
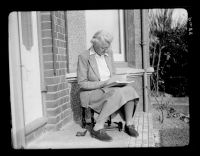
(173, 131)
(174, 137)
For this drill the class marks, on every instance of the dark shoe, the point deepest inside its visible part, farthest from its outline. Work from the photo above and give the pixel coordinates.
(100, 135)
(130, 130)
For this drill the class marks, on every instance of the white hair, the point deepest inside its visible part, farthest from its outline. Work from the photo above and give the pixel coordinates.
(103, 36)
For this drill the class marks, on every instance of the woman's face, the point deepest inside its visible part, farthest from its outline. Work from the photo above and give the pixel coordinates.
(100, 47)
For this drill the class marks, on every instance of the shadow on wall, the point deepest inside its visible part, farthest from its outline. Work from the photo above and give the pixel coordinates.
(76, 103)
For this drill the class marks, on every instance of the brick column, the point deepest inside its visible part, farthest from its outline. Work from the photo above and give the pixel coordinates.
(57, 103)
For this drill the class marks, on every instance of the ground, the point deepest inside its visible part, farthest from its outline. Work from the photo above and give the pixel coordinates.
(173, 131)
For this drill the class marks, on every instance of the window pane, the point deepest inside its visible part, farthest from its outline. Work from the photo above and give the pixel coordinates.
(107, 20)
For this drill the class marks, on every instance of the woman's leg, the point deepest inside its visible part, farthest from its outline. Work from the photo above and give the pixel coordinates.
(130, 108)
(109, 107)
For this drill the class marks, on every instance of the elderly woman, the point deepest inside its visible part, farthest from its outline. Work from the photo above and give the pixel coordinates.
(95, 71)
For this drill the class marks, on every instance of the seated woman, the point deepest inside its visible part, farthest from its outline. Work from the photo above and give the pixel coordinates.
(94, 71)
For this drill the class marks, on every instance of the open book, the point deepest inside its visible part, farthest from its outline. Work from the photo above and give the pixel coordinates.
(119, 83)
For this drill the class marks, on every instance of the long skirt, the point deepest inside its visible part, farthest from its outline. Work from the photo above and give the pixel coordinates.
(115, 98)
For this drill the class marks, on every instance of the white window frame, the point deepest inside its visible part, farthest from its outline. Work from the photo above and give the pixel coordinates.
(120, 56)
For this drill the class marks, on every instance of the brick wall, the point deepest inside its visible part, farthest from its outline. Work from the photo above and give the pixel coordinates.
(57, 103)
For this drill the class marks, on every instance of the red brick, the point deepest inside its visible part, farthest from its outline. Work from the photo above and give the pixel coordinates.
(64, 92)
(60, 72)
(45, 12)
(62, 85)
(48, 57)
(62, 16)
(67, 119)
(46, 25)
(63, 65)
(59, 125)
(52, 80)
(61, 29)
(59, 21)
(46, 34)
(66, 85)
(65, 99)
(63, 79)
(52, 104)
(52, 96)
(48, 65)
(56, 65)
(67, 91)
(47, 49)
(57, 28)
(61, 36)
(57, 72)
(53, 111)
(59, 14)
(56, 13)
(55, 50)
(66, 113)
(63, 72)
(55, 35)
(63, 25)
(55, 42)
(58, 43)
(68, 105)
(52, 88)
(57, 58)
(63, 44)
(45, 17)
(46, 42)
(48, 73)
(63, 58)
(62, 51)
(54, 27)
(53, 120)
(62, 115)
(60, 101)
(64, 107)
(59, 94)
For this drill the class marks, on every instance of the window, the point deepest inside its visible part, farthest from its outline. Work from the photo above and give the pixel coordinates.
(111, 21)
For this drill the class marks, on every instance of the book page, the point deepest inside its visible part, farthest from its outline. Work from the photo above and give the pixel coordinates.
(119, 83)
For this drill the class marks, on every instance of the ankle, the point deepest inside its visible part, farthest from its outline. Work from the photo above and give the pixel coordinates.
(128, 123)
(98, 127)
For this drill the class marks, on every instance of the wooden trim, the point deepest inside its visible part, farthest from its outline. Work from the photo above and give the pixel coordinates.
(17, 107)
(42, 81)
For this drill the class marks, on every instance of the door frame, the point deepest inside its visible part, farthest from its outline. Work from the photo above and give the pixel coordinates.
(19, 130)
(41, 121)
(16, 92)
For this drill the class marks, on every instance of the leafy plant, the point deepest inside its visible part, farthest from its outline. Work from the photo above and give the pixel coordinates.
(168, 52)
